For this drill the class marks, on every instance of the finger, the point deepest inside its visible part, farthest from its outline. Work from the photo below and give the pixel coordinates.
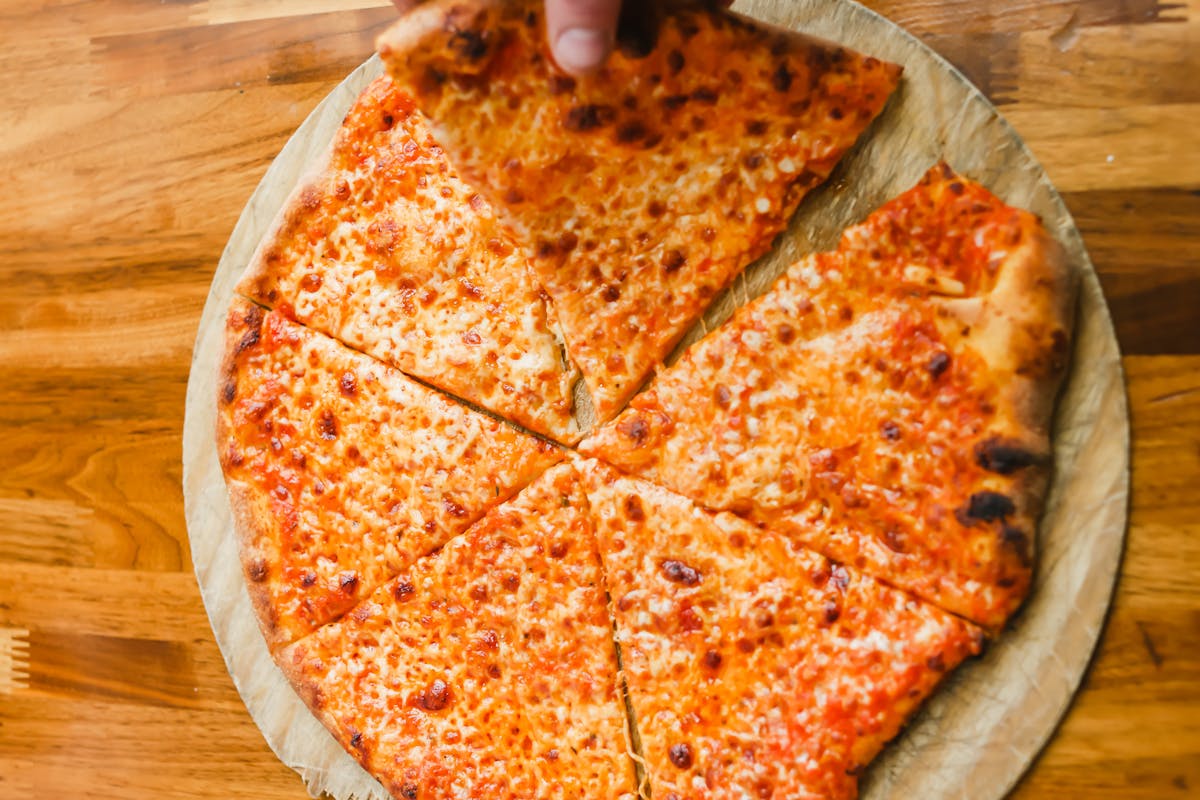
(581, 32)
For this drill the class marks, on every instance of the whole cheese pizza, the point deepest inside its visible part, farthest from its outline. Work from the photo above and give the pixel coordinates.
(761, 560)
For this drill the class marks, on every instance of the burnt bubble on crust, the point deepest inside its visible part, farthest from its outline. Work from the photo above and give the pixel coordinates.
(253, 321)
(1017, 541)
(986, 507)
(1003, 456)
(257, 570)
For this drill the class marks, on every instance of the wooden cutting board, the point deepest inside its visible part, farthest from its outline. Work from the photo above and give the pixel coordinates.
(979, 734)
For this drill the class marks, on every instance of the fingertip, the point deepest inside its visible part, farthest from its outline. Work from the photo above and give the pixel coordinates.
(581, 50)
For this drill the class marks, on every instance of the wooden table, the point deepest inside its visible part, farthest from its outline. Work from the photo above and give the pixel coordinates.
(133, 131)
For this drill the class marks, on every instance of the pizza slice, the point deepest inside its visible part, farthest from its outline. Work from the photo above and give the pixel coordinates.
(342, 471)
(755, 667)
(641, 190)
(386, 249)
(486, 670)
(887, 404)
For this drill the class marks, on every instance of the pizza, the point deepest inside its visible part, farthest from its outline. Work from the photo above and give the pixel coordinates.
(643, 190)
(386, 249)
(887, 404)
(341, 471)
(748, 680)
(744, 583)
(486, 669)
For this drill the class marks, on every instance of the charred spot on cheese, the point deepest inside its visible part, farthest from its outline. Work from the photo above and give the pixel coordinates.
(348, 581)
(712, 659)
(308, 578)
(611, 293)
(348, 384)
(635, 428)
(327, 426)
(632, 131)
(890, 431)
(637, 30)
(722, 395)
(559, 549)
(1016, 541)
(257, 570)
(589, 117)
(403, 591)
(675, 61)
(561, 84)
(409, 791)
(781, 79)
(435, 697)
(681, 755)
(1003, 456)
(673, 260)
(939, 362)
(830, 612)
(229, 390)
(469, 44)
(985, 507)
(633, 508)
(356, 739)
(705, 95)
(679, 572)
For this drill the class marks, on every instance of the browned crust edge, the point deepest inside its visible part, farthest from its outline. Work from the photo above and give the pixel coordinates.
(1029, 317)
(249, 526)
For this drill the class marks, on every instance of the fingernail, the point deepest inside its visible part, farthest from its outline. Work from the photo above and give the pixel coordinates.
(581, 49)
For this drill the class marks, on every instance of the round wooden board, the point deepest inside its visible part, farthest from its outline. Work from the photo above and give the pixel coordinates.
(983, 729)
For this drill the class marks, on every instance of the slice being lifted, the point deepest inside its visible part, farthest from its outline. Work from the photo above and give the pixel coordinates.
(643, 189)
(487, 670)
(386, 249)
(755, 667)
(887, 404)
(341, 471)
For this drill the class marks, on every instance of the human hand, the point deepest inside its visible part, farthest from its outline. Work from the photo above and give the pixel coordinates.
(581, 32)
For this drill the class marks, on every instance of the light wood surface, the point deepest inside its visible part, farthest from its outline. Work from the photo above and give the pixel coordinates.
(134, 133)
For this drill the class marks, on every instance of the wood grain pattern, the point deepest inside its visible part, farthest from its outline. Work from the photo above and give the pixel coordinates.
(121, 190)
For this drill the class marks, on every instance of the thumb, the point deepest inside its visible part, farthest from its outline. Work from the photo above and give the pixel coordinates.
(581, 32)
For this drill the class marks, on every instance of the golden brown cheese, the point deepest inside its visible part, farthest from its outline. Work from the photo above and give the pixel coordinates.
(342, 471)
(757, 668)
(485, 671)
(887, 404)
(386, 249)
(645, 188)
